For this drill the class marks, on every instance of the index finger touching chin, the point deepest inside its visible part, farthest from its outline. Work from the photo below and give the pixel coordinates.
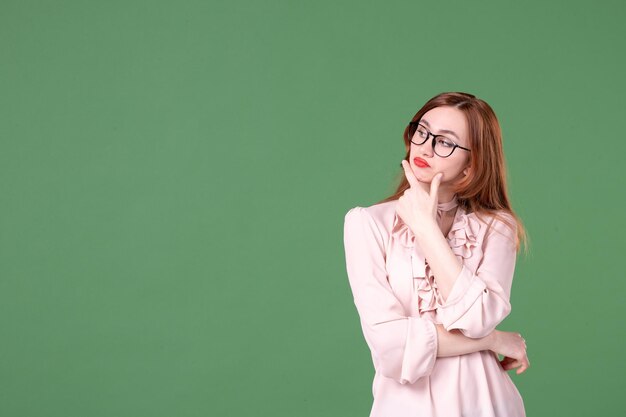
(408, 173)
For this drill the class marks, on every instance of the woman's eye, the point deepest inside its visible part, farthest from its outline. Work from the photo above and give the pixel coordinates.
(446, 143)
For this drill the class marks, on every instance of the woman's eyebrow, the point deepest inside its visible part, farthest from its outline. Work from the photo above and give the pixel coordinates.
(442, 131)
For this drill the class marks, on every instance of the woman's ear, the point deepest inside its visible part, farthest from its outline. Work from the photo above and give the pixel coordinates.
(466, 171)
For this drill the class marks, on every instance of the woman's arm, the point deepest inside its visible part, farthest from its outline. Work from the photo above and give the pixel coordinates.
(479, 300)
(444, 264)
(418, 209)
(404, 347)
(474, 302)
(511, 345)
(454, 343)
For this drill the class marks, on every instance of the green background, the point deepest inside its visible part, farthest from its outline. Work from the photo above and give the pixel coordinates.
(174, 177)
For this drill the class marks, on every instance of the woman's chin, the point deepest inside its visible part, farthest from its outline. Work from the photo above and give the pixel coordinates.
(426, 179)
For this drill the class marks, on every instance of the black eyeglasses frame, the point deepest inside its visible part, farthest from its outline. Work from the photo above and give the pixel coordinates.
(413, 128)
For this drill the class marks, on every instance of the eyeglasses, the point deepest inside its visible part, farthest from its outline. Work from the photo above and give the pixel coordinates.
(442, 146)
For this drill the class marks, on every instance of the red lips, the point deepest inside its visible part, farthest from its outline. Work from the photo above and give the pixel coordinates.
(420, 162)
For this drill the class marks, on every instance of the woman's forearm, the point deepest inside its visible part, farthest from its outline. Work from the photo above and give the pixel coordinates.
(443, 263)
(455, 343)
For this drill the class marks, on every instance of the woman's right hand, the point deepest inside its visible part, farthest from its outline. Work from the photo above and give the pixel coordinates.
(513, 347)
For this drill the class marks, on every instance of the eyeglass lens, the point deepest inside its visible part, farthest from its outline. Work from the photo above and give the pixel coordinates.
(443, 146)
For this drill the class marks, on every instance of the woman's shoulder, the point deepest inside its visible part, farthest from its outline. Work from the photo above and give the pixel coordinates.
(379, 212)
(498, 221)
(380, 215)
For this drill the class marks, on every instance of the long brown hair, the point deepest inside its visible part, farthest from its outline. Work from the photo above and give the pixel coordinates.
(484, 189)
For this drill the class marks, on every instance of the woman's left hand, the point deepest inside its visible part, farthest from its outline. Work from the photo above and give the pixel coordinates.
(417, 207)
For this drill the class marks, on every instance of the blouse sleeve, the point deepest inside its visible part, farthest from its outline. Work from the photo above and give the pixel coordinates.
(479, 301)
(405, 348)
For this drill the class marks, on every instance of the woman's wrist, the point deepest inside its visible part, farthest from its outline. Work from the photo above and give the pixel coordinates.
(428, 227)
(492, 340)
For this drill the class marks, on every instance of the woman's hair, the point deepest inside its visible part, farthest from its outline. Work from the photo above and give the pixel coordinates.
(483, 190)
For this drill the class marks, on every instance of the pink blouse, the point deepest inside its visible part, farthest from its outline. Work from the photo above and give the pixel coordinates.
(398, 303)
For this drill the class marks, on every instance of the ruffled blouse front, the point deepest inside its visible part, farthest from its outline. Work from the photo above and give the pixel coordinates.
(462, 239)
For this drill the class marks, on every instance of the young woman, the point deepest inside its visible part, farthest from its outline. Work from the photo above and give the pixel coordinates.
(431, 269)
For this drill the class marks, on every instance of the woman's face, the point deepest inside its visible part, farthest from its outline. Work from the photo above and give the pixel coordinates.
(450, 122)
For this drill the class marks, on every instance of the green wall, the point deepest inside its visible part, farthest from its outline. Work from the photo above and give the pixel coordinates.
(174, 176)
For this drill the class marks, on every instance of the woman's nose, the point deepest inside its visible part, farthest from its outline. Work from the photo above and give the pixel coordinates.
(426, 148)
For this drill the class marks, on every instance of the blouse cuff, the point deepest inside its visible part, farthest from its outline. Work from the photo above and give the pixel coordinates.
(420, 352)
(466, 289)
